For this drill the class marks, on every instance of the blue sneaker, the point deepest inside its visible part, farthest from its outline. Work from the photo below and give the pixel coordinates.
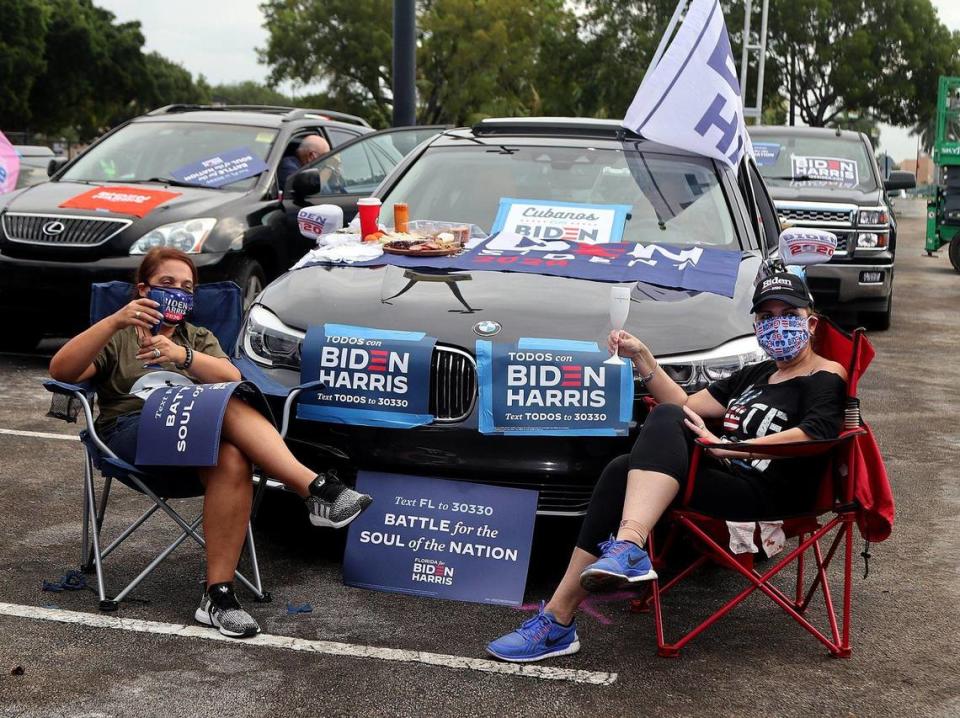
(620, 563)
(537, 638)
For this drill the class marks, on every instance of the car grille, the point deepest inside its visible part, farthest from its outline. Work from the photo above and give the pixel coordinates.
(794, 214)
(73, 231)
(453, 380)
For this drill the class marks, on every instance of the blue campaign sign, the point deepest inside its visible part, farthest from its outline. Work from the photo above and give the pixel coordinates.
(442, 539)
(180, 425)
(371, 377)
(766, 153)
(552, 387)
(222, 169)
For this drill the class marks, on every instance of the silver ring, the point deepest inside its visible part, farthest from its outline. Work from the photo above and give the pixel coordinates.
(137, 314)
(702, 426)
(156, 353)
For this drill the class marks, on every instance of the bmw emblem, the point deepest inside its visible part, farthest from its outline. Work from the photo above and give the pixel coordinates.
(487, 328)
(52, 229)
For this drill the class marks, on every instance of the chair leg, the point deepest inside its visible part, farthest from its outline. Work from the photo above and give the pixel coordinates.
(845, 648)
(184, 535)
(85, 536)
(259, 594)
(799, 593)
(105, 604)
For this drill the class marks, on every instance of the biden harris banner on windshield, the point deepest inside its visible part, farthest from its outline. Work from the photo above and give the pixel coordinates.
(370, 377)
(691, 99)
(441, 539)
(180, 425)
(552, 387)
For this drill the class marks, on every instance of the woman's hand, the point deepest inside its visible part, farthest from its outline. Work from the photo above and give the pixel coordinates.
(141, 313)
(698, 427)
(159, 349)
(629, 347)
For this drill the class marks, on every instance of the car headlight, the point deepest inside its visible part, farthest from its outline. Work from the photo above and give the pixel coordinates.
(187, 236)
(695, 371)
(269, 341)
(872, 216)
(872, 240)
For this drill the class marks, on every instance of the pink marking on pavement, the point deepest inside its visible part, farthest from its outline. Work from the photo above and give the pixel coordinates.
(590, 605)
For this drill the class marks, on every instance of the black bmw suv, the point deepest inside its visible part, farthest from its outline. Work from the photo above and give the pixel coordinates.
(242, 229)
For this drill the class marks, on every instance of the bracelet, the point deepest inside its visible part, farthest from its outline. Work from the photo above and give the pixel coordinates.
(188, 360)
(648, 377)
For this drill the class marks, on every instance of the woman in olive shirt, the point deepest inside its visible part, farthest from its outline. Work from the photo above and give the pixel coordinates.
(121, 348)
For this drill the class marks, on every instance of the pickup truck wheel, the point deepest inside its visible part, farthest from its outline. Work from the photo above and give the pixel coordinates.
(954, 252)
(248, 274)
(878, 320)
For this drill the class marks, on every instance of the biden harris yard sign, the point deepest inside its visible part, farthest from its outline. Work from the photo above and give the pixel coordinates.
(371, 377)
(442, 539)
(691, 99)
(552, 387)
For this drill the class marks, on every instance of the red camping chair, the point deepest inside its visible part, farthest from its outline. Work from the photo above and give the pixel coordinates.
(854, 489)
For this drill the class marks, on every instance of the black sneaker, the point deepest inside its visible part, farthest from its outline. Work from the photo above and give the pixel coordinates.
(332, 504)
(219, 607)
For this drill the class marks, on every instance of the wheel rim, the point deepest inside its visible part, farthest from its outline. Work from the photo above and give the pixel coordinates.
(254, 286)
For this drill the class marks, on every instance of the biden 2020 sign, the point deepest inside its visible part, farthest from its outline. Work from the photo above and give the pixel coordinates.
(552, 387)
(442, 539)
(371, 377)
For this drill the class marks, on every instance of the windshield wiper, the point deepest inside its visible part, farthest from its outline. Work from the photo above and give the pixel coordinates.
(171, 182)
(796, 178)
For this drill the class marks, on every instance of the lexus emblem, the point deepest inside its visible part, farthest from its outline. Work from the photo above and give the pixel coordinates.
(52, 229)
(487, 328)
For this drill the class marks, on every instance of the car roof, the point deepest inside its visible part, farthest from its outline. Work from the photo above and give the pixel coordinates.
(822, 132)
(253, 115)
(33, 151)
(556, 131)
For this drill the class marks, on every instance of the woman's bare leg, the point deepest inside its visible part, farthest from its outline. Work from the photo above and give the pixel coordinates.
(649, 494)
(569, 594)
(261, 443)
(226, 511)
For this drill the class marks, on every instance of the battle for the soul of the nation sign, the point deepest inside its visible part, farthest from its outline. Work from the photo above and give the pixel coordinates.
(552, 387)
(371, 377)
(441, 538)
(180, 425)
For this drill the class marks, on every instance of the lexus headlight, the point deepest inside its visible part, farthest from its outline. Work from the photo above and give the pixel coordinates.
(187, 236)
(269, 341)
(695, 371)
(872, 216)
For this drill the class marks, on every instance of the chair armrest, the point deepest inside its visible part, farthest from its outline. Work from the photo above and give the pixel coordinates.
(62, 387)
(794, 449)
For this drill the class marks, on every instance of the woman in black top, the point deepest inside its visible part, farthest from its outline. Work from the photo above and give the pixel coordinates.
(795, 396)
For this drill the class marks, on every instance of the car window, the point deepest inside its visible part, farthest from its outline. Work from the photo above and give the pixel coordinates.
(338, 136)
(145, 150)
(357, 168)
(787, 160)
(766, 210)
(673, 200)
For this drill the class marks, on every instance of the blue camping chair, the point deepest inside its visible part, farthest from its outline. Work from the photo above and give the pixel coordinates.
(219, 308)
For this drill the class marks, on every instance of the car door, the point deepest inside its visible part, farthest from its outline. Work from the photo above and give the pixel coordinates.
(355, 168)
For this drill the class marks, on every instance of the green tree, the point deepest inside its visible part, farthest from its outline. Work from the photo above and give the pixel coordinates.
(21, 58)
(248, 93)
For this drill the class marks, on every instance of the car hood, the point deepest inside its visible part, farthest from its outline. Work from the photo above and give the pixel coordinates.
(46, 198)
(823, 194)
(448, 306)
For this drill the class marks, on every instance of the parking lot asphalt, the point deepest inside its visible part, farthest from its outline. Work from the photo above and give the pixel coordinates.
(755, 663)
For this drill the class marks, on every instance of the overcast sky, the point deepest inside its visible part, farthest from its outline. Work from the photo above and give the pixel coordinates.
(218, 39)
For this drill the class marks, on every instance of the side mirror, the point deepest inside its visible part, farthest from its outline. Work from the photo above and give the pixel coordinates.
(55, 165)
(899, 179)
(305, 183)
(803, 246)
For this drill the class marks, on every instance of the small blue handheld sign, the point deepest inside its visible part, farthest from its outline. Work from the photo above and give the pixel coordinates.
(552, 387)
(371, 377)
(441, 539)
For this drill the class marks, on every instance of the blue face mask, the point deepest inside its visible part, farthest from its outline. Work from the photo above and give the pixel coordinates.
(783, 338)
(175, 304)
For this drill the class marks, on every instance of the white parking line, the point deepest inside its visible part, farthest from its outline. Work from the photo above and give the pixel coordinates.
(39, 435)
(329, 648)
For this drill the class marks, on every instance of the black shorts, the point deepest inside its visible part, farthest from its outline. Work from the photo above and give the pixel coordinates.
(172, 482)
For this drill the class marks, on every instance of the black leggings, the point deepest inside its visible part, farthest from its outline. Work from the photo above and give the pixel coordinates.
(665, 445)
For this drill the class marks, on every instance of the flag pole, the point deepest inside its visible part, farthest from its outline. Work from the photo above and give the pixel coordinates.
(661, 48)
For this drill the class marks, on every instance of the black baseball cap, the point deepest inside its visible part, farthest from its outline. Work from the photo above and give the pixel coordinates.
(782, 286)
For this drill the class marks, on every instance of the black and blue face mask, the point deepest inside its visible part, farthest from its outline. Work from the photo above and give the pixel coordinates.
(175, 304)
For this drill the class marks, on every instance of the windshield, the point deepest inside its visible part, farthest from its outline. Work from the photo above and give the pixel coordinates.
(672, 200)
(144, 151)
(792, 161)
